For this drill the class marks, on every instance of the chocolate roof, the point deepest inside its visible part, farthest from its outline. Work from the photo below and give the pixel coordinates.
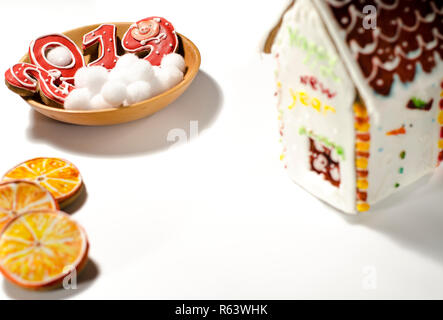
(408, 36)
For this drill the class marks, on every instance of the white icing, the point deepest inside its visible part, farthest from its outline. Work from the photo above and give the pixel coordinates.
(388, 113)
(338, 127)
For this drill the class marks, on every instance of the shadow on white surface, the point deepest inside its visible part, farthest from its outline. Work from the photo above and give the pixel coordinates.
(78, 203)
(84, 281)
(413, 217)
(201, 102)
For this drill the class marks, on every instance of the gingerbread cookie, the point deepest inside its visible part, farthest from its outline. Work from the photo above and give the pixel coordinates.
(40, 49)
(155, 35)
(27, 79)
(105, 36)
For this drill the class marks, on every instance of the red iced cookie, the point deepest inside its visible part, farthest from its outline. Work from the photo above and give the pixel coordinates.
(154, 34)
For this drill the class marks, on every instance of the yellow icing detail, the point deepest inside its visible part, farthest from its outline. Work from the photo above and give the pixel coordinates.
(440, 144)
(282, 157)
(294, 99)
(361, 163)
(316, 104)
(363, 207)
(362, 184)
(308, 101)
(360, 110)
(328, 108)
(363, 146)
(362, 127)
(279, 84)
(440, 118)
(303, 98)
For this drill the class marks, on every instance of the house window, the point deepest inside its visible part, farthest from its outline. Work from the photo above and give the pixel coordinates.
(324, 161)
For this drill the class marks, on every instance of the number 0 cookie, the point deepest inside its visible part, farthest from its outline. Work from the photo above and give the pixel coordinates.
(60, 177)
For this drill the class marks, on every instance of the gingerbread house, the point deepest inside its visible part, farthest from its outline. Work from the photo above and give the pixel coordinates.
(360, 96)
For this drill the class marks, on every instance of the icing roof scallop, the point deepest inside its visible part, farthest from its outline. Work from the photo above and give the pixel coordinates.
(408, 37)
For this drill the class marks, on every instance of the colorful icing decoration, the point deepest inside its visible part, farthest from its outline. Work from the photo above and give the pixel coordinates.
(315, 84)
(40, 47)
(155, 35)
(27, 79)
(440, 122)
(324, 162)
(60, 177)
(325, 141)
(396, 132)
(418, 104)
(403, 155)
(395, 68)
(308, 101)
(363, 144)
(39, 249)
(406, 39)
(105, 36)
(17, 197)
(317, 56)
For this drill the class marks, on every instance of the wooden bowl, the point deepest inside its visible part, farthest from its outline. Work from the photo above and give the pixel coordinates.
(124, 114)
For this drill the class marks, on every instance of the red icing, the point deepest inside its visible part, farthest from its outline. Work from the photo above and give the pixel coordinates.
(153, 34)
(31, 78)
(317, 85)
(106, 36)
(37, 55)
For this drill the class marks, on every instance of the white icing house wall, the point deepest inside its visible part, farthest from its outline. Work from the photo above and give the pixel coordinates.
(361, 109)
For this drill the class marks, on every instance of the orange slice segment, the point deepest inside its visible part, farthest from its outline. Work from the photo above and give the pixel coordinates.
(39, 248)
(60, 177)
(18, 197)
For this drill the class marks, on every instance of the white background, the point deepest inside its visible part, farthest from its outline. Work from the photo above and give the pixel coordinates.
(217, 218)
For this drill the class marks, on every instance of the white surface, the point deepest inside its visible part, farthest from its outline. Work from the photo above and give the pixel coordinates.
(218, 217)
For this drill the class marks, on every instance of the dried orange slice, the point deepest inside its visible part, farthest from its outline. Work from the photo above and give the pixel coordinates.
(60, 177)
(18, 197)
(38, 249)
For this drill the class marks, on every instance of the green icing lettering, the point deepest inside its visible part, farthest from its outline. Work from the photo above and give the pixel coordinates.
(315, 55)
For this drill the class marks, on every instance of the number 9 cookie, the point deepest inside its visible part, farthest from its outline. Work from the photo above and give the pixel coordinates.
(155, 35)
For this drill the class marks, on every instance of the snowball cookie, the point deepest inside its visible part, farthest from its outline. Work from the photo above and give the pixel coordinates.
(136, 70)
(138, 91)
(92, 78)
(114, 92)
(174, 60)
(78, 99)
(97, 103)
(168, 77)
(125, 60)
(142, 70)
(59, 56)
